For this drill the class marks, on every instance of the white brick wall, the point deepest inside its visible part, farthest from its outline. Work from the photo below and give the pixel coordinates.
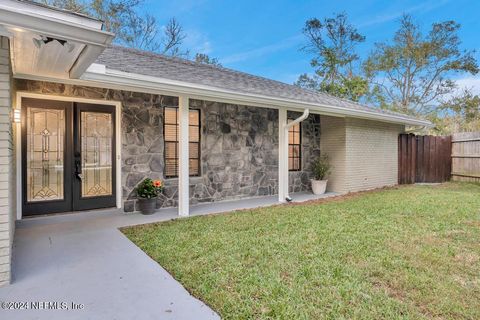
(372, 154)
(332, 142)
(363, 153)
(7, 175)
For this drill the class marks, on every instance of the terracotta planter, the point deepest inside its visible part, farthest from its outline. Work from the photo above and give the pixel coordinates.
(147, 206)
(319, 186)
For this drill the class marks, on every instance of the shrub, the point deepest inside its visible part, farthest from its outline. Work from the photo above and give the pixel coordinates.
(321, 167)
(149, 188)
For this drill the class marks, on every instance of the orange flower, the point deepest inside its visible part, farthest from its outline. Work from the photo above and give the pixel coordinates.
(157, 183)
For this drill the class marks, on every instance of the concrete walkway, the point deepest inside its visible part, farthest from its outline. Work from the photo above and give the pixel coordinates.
(82, 258)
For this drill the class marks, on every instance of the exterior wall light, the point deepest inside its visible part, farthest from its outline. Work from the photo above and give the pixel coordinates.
(17, 116)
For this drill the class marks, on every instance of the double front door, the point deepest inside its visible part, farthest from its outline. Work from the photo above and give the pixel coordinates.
(68, 156)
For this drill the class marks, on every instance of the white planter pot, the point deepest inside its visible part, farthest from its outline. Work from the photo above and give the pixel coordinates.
(319, 186)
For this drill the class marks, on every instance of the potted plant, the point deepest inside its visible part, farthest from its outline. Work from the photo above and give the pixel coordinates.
(148, 191)
(320, 169)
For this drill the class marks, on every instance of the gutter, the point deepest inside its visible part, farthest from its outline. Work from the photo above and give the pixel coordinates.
(136, 82)
(54, 27)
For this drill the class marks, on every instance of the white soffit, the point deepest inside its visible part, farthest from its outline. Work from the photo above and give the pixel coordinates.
(51, 59)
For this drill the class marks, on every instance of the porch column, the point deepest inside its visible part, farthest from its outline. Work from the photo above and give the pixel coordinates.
(183, 158)
(282, 155)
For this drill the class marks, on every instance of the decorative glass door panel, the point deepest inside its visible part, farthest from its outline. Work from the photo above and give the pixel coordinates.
(96, 142)
(94, 156)
(45, 154)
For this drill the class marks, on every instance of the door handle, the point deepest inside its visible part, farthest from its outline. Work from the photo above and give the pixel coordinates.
(78, 169)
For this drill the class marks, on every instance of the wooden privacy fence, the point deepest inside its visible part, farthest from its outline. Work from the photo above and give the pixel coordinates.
(466, 156)
(424, 158)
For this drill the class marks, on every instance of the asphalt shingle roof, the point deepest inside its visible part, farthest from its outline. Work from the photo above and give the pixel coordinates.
(157, 65)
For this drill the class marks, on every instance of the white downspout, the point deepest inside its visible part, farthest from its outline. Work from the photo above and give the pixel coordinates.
(304, 116)
(283, 151)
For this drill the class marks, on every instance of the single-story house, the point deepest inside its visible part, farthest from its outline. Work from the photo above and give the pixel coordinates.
(83, 121)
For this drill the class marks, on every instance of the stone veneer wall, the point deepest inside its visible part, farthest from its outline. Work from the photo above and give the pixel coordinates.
(239, 151)
(239, 145)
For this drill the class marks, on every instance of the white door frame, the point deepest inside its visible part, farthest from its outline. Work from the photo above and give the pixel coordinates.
(18, 140)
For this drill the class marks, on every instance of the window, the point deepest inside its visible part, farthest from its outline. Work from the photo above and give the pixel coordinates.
(171, 142)
(294, 147)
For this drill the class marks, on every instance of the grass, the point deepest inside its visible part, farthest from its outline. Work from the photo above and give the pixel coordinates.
(402, 253)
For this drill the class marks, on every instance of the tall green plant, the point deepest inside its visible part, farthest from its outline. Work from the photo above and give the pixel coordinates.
(321, 167)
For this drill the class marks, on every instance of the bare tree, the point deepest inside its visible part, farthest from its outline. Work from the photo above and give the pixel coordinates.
(132, 29)
(173, 39)
(144, 33)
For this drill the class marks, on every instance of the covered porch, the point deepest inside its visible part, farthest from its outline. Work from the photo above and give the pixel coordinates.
(240, 150)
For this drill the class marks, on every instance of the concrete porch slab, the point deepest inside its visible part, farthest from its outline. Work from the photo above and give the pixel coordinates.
(83, 258)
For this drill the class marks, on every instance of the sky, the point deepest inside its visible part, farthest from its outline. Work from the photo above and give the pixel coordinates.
(264, 37)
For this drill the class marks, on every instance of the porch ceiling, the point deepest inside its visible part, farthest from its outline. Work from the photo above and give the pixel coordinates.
(52, 58)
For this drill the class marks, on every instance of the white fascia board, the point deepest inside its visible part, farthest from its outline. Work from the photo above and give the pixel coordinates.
(98, 76)
(84, 61)
(139, 81)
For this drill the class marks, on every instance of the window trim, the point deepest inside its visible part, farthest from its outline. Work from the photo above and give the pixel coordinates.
(295, 144)
(199, 173)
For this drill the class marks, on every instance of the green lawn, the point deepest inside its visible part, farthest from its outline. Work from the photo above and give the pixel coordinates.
(403, 253)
